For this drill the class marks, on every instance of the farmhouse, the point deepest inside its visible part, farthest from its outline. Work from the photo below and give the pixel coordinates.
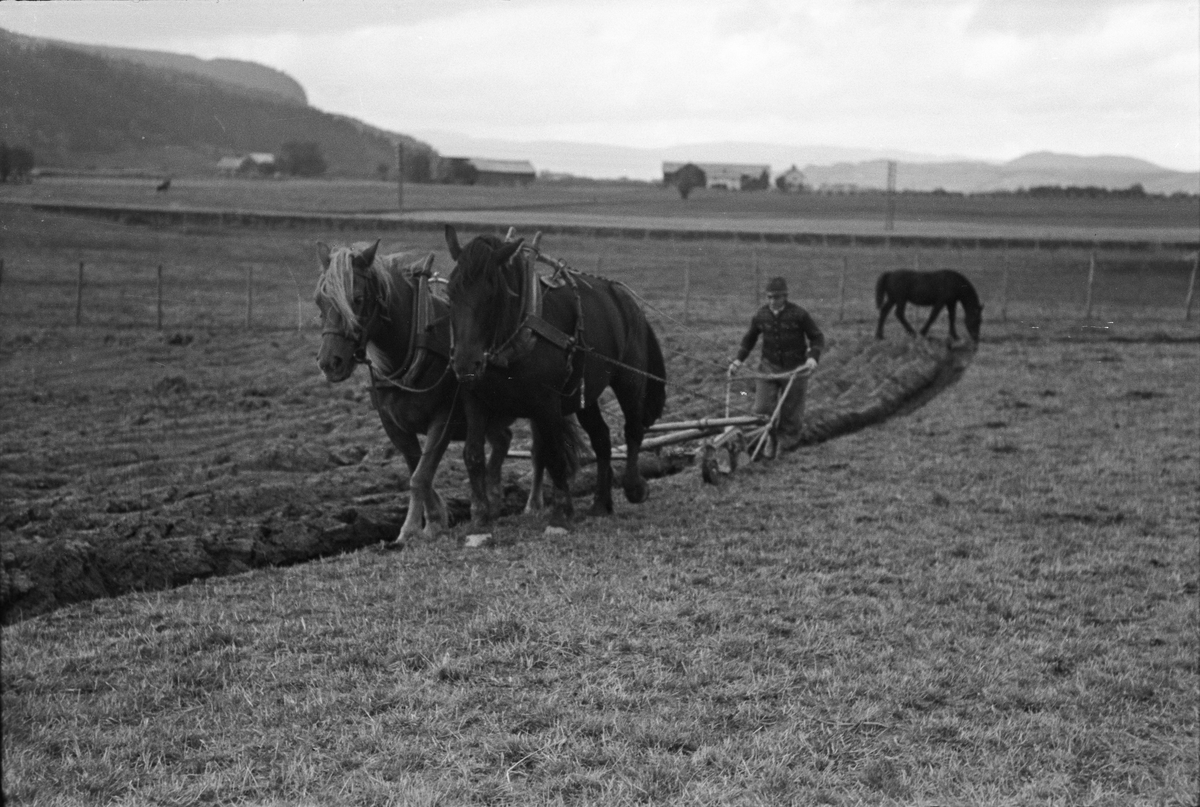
(791, 180)
(480, 171)
(731, 176)
(256, 162)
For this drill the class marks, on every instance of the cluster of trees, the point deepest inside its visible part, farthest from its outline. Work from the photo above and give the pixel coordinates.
(301, 159)
(1135, 191)
(15, 163)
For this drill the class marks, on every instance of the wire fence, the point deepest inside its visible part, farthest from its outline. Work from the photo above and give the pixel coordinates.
(692, 282)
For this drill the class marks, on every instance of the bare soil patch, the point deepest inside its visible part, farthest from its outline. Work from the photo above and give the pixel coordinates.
(135, 460)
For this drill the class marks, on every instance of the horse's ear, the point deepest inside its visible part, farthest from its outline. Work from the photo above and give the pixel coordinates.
(452, 243)
(323, 255)
(368, 254)
(508, 250)
(427, 266)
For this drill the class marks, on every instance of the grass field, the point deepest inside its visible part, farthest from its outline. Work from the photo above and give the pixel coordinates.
(990, 600)
(345, 196)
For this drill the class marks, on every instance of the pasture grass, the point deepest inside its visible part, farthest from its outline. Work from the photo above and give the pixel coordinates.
(625, 199)
(989, 601)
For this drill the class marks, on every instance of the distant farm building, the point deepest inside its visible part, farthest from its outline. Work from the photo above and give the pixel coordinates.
(791, 180)
(256, 163)
(478, 171)
(731, 176)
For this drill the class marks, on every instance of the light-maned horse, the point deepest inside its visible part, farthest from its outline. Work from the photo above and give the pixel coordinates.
(587, 335)
(942, 289)
(382, 311)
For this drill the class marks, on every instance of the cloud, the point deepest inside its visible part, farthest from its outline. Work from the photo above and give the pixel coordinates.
(986, 78)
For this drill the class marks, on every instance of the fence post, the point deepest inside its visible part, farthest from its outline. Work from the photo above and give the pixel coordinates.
(79, 295)
(687, 291)
(1091, 281)
(400, 177)
(1004, 292)
(249, 295)
(1187, 306)
(842, 289)
(757, 280)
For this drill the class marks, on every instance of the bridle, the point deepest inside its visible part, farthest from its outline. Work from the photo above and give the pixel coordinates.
(359, 340)
(417, 355)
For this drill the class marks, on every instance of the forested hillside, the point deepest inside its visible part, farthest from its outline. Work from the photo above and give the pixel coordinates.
(74, 109)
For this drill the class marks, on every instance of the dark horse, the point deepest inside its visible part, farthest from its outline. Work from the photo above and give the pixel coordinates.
(381, 310)
(548, 360)
(942, 289)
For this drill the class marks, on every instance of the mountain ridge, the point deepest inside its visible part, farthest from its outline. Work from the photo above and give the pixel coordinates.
(76, 108)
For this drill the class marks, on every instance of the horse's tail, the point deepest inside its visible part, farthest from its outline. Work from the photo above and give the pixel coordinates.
(557, 438)
(656, 383)
(881, 289)
(572, 439)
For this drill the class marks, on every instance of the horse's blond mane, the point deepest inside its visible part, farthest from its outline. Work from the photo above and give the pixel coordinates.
(337, 280)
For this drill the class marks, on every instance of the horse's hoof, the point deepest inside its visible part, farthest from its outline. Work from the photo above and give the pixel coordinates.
(478, 540)
(636, 494)
(393, 546)
(600, 509)
(556, 531)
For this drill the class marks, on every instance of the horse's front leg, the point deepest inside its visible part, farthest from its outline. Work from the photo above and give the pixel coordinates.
(425, 507)
(950, 312)
(499, 437)
(937, 309)
(410, 449)
(476, 462)
(597, 432)
(884, 310)
(903, 321)
(537, 497)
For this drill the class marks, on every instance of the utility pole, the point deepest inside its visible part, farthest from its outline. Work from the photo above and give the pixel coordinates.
(889, 224)
(400, 177)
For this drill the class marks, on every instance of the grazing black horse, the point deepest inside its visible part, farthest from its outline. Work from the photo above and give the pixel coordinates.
(549, 360)
(941, 289)
(380, 310)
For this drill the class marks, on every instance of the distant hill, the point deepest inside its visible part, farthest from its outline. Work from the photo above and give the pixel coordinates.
(78, 109)
(249, 77)
(1031, 170)
(603, 161)
(829, 165)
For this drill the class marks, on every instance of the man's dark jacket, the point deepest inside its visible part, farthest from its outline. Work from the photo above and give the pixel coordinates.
(789, 337)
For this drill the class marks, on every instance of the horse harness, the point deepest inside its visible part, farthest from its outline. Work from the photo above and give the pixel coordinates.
(422, 345)
(533, 325)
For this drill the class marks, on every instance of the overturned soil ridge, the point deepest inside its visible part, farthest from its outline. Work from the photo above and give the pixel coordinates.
(193, 481)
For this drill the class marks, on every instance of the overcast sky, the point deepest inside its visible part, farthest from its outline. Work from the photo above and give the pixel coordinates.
(986, 79)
